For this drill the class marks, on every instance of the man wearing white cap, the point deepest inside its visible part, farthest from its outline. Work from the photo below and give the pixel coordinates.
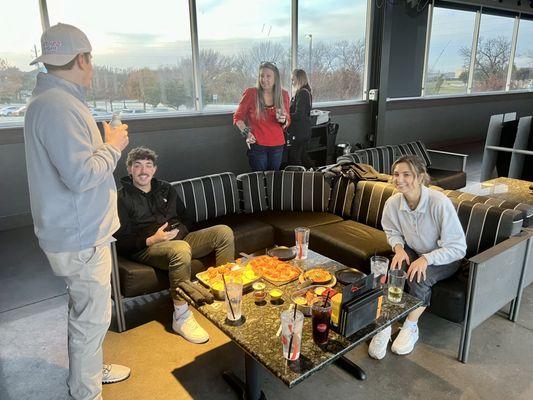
(74, 200)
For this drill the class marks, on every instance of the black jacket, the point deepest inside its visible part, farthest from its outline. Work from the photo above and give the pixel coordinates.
(141, 214)
(300, 127)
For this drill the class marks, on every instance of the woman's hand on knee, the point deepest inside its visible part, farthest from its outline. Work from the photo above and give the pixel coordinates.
(418, 269)
(400, 256)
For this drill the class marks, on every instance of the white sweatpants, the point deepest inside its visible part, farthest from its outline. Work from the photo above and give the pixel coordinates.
(87, 274)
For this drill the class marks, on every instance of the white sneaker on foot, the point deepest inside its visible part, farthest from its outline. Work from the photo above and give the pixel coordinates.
(186, 326)
(406, 339)
(112, 373)
(378, 346)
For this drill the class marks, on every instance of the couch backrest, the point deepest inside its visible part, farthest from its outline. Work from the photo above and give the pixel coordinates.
(525, 209)
(209, 196)
(417, 148)
(341, 198)
(252, 189)
(485, 225)
(369, 200)
(297, 191)
(381, 158)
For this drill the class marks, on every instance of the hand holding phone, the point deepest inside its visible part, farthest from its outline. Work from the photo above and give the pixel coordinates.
(175, 225)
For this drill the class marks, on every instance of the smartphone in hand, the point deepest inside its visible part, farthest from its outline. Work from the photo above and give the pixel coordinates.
(175, 225)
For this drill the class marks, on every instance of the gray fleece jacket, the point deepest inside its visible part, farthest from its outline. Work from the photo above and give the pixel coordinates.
(73, 195)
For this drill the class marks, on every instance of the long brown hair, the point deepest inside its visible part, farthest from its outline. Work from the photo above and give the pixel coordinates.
(277, 95)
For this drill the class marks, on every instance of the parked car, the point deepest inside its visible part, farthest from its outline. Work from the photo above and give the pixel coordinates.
(8, 111)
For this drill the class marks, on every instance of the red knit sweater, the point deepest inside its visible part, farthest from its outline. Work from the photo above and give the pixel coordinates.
(267, 131)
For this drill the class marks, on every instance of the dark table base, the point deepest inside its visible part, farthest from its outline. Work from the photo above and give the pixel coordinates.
(251, 390)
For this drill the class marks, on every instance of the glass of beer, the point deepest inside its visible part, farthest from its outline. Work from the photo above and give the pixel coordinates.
(396, 283)
(321, 316)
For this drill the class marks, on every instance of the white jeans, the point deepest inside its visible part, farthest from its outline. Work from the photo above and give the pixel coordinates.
(88, 275)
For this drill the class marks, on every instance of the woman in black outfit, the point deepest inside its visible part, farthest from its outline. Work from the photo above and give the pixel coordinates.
(299, 130)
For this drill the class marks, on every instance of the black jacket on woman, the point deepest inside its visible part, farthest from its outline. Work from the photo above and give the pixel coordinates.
(300, 127)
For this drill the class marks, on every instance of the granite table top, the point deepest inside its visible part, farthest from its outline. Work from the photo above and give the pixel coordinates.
(257, 335)
(509, 189)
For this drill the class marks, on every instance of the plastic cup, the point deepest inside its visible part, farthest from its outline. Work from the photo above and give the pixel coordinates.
(396, 283)
(321, 317)
(301, 236)
(233, 298)
(291, 328)
(379, 266)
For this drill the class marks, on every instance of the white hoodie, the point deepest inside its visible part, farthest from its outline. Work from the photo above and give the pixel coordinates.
(70, 170)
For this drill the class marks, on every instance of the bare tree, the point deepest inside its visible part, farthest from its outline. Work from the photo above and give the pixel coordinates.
(492, 61)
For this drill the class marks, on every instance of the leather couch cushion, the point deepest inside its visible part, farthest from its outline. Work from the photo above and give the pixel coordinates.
(251, 233)
(297, 191)
(137, 279)
(369, 201)
(350, 243)
(253, 191)
(525, 209)
(417, 148)
(448, 298)
(484, 225)
(342, 195)
(284, 223)
(381, 158)
(447, 179)
(209, 196)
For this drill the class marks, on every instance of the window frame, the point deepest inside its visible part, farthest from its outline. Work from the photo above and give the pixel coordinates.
(479, 10)
(198, 109)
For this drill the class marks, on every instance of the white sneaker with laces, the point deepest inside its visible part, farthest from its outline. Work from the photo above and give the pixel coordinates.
(378, 346)
(186, 326)
(406, 339)
(112, 373)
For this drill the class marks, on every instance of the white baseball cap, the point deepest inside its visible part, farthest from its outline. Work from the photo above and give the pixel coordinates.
(61, 43)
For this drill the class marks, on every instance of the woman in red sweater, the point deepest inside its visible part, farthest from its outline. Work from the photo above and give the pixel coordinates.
(262, 116)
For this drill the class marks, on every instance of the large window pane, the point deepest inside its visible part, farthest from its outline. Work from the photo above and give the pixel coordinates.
(20, 33)
(141, 52)
(522, 76)
(449, 58)
(493, 52)
(331, 47)
(234, 37)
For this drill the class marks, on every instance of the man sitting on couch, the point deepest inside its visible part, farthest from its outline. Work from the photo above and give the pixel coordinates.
(155, 231)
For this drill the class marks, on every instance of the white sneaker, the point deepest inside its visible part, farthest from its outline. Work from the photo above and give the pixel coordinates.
(378, 345)
(112, 373)
(406, 340)
(186, 326)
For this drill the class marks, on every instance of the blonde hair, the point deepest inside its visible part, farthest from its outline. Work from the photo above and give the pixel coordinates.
(300, 78)
(277, 95)
(416, 165)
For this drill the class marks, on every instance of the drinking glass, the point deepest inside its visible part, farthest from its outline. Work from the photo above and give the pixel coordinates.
(301, 235)
(379, 266)
(291, 333)
(396, 283)
(321, 316)
(233, 298)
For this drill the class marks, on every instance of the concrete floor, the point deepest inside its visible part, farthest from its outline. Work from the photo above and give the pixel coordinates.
(33, 357)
